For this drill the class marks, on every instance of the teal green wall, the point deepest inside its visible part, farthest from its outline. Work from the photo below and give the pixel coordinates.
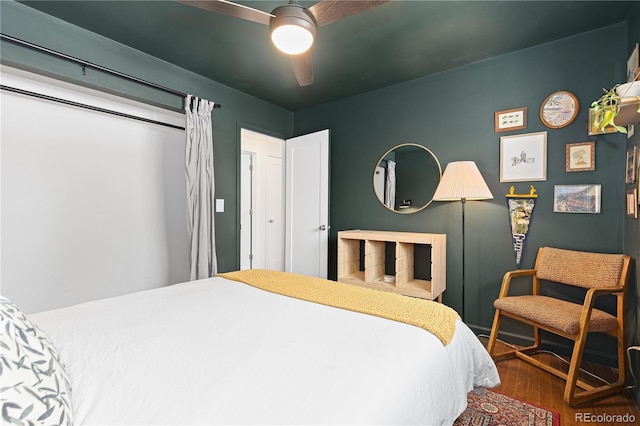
(452, 114)
(237, 108)
(631, 228)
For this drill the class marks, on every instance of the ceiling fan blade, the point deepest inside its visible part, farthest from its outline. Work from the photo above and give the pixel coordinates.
(233, 9)
(328, 11)
(302, 68)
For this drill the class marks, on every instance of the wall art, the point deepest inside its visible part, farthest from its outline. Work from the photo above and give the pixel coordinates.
(520, 216)
(523, 157)
(580, 157)
(632, 154)
(559, 109)
(632, 203)
(632, 65)
(576, 198)
(593, 129)
(510, 119)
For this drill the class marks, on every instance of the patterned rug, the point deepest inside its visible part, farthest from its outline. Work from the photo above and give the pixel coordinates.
(492, 409)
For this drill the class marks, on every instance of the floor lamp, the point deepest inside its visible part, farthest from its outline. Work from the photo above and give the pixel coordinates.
(462, 181)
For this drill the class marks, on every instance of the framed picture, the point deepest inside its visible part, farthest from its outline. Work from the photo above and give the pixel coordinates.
(576, 198)
(559, 109)
(593, 130)
(523, 157)
(632, 153)
(510, 119)
(632, 203)
(632, 65)
(581, 157)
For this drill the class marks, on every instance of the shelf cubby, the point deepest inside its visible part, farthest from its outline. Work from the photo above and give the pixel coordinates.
(363, 260)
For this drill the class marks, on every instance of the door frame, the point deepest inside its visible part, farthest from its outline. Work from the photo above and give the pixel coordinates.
(252, 128)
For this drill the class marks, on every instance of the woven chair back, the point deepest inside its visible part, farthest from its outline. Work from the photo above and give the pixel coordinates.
(578, 268)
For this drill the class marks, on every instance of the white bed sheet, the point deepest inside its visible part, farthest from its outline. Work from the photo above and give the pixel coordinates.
(217, 351)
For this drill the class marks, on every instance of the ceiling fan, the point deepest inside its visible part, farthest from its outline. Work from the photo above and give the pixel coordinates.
(292, 27)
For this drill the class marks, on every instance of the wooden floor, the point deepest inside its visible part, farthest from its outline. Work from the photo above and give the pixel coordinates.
(527, 383)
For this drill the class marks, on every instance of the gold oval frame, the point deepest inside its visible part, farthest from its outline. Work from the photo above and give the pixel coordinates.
(566, 122)
(382, 158)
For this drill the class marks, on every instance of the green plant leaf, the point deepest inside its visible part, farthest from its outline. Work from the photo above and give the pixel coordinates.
(620, 128)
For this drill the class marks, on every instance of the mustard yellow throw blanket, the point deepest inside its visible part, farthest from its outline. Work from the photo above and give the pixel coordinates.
(434, 317)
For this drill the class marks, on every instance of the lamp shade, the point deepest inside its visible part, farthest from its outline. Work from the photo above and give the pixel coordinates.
(462, 181)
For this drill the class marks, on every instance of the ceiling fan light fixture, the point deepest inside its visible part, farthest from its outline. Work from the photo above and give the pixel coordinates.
(292, 29)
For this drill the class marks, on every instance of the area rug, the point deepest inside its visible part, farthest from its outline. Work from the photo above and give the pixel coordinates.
(493, 409)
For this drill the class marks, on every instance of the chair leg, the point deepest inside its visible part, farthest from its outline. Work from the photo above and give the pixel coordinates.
(574, 398)
(491, 345)
(493, 338)
(622, 356)
(574, 368)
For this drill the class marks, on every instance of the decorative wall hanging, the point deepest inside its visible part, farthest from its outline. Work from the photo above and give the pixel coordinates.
(632, 65)
(593, 127)
(632, 204)
(559, 109)
(581, 157)
(523, 157)
(520, 215)
(632, 153)
(576, 198)
(510, 119)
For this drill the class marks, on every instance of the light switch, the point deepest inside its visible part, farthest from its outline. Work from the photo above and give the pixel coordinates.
(219, 205)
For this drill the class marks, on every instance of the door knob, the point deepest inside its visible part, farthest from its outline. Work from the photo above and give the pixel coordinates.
(323, 227)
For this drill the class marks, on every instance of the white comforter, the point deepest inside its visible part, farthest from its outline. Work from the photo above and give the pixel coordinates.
(217, 351)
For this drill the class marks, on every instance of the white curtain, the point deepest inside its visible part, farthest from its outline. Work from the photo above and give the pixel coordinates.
(390, 187)
(200, 187)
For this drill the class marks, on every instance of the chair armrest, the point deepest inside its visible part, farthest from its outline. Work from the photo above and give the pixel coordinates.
(599, 291)
(592, 293)
(506, 280)
(590, 300)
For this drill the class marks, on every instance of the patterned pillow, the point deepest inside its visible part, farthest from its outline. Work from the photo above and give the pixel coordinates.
(35, 385)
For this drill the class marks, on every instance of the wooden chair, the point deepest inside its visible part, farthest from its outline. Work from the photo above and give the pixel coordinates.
(600, 274)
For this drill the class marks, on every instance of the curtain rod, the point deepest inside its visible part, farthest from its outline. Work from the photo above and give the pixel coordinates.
(86, 106)
(92, 65)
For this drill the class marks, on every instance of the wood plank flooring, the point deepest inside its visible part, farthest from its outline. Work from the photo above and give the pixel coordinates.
(527, 383)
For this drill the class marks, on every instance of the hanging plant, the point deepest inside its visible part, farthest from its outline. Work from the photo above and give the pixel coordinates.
(606, 109)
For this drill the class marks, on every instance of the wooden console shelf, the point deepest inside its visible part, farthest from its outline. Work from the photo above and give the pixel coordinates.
(628, 114)
(362, 254)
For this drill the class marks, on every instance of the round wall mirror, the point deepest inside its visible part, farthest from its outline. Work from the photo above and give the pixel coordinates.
(406, 177)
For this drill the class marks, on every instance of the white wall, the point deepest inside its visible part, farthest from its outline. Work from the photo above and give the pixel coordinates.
(92, 205)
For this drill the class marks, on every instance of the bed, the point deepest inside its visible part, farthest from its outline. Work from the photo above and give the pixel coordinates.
(221, 351)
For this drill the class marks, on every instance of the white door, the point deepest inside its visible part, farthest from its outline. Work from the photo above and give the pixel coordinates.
(261, 202)
(307, 204)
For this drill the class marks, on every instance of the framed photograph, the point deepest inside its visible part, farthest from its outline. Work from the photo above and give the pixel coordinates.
(593, 130)
(581, 157)
(510, 119)
(632, 203)
(632, 65)
(632, 153)
(576, 198)
(523, 157)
